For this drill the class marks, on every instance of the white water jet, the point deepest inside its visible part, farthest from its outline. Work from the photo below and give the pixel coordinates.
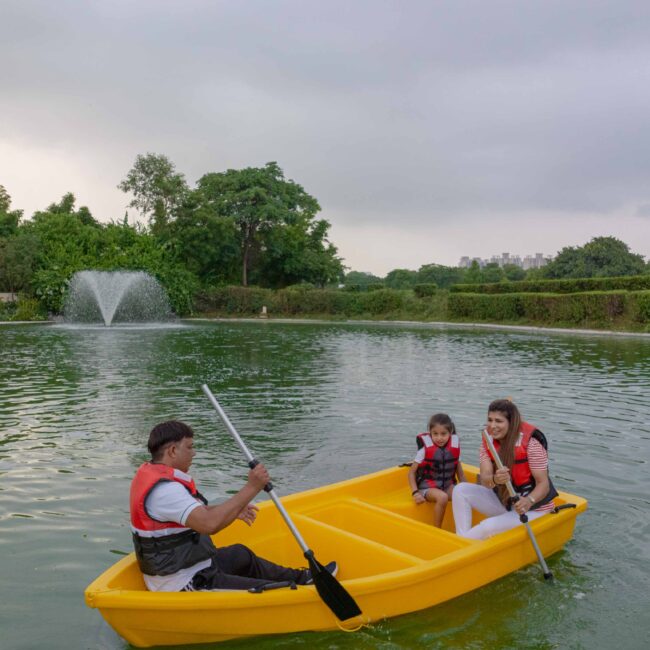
(108, 296)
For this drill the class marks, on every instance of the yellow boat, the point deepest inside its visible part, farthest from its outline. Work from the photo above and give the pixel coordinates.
(391, 559)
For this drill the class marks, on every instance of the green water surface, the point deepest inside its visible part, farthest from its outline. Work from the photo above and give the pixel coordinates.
(318, 403)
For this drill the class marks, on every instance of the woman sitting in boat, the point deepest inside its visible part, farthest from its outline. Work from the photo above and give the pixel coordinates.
(436, 466)
(172, 522)
(522, 449)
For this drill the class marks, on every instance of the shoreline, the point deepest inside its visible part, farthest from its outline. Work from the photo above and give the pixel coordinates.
(430, 324)
(536, 329)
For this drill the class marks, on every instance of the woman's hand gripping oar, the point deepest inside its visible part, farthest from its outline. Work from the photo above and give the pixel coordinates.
(515, 497)
(329, 588)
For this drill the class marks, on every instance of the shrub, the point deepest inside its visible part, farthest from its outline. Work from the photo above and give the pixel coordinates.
(29, 309)
(581, 285)
(382, 301)
(574, 308)
(425, 289)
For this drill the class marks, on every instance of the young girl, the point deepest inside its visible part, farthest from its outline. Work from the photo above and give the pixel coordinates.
(436, 465)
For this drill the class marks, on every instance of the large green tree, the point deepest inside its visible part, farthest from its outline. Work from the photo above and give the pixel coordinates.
(298, 252)
(258, 200)
(158, 189)
(600, 257)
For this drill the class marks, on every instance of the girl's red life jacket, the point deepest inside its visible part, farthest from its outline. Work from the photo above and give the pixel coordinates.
(438, 468)
(520, 473)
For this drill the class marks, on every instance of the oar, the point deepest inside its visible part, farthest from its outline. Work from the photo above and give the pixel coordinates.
(523, 518)
(329, 588)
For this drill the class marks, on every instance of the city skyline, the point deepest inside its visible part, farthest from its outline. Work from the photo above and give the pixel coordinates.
(536, 261)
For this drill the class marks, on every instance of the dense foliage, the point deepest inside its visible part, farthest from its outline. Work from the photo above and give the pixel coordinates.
(629, 283)
(254, 226)
(249, 224)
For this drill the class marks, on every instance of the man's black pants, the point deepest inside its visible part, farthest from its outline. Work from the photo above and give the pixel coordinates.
(237, 567)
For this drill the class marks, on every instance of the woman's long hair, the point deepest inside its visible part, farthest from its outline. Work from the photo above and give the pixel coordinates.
(507, 444)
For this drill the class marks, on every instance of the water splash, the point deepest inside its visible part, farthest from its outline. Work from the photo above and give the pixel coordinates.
(115, 296)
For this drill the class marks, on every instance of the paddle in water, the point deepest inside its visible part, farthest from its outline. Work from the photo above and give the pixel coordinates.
(331, 591)
(523, 518)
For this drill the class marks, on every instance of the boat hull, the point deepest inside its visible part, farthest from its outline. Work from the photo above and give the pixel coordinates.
(389, 554)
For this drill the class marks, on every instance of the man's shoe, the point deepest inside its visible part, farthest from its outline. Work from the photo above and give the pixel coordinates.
(331, 567)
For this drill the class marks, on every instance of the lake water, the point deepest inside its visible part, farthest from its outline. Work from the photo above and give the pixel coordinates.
(319, 403)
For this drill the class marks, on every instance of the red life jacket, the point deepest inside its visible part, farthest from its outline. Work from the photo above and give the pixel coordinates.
(438, 468)
(164, 547)
(145, 480)
(520, 473)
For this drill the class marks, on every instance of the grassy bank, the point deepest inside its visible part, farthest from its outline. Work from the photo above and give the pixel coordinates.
(606, 310)
(618, 310)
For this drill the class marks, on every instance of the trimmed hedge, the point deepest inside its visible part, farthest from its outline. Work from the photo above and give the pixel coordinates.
(580, 285)
(574, 308)
(295, 301)
(592, 308)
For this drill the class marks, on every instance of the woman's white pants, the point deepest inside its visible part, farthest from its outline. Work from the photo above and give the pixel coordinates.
(470, 495)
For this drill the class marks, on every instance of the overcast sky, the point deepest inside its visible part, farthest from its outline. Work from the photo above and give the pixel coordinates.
(426, 130)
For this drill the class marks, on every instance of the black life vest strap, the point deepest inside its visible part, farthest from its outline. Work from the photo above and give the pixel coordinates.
(164, 543)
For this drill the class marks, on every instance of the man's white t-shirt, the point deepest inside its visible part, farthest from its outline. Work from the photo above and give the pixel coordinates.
(170, 501)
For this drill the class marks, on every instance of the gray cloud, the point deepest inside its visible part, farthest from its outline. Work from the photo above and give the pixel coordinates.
(423, 112)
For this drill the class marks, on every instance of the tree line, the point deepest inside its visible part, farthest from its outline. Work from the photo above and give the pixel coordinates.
(248, 226)
(600, 257)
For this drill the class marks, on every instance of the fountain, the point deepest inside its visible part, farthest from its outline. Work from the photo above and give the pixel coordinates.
(115, 296)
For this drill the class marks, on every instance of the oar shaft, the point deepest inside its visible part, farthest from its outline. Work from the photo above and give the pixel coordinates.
(523, 518)
(252, 462)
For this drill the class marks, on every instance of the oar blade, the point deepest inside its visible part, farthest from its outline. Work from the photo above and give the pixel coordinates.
(331, 591)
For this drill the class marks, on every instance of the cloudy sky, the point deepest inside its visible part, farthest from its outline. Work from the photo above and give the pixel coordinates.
(427, 130)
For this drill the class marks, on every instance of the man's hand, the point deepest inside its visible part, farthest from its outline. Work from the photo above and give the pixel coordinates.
(248, 514)
(258, 477)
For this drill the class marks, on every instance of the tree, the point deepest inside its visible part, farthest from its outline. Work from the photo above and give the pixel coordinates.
(442, 276)
(158, 189)
(473, 273)
(9, 219)
(298, 252)
(513, 272)
(601, 257)
(360, 279)
(401, 279)
(17, 261)
(66, 206)
(205, 243)
(257, 199)
(492, 272)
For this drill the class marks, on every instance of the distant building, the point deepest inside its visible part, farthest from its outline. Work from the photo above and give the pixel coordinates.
(529, 262)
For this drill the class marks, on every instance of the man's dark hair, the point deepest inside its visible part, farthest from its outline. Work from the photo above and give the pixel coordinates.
(166, 432)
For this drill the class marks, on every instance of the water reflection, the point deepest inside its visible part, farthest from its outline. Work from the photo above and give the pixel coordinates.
(317, 403)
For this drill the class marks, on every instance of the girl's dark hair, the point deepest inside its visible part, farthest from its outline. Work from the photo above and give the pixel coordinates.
(166, 432)
(444, 420)
(507, 447)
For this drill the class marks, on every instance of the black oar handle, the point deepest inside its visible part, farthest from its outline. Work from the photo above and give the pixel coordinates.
(253, 464)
